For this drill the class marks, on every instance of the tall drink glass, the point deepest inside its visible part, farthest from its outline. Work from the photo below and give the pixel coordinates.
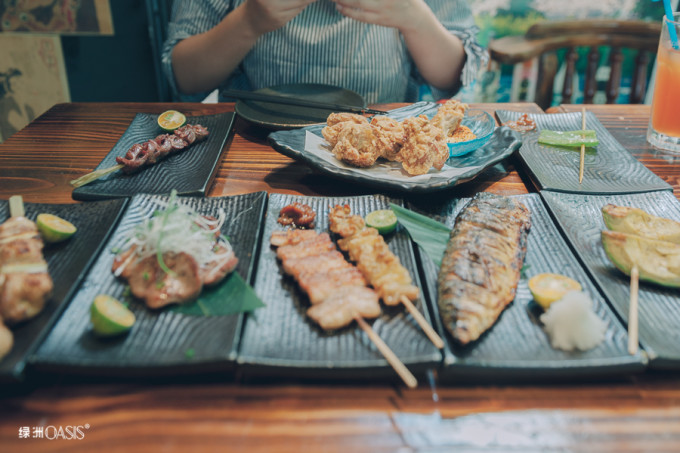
(664, 122)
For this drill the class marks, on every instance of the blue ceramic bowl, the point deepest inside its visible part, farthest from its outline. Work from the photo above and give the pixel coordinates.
(482, 125)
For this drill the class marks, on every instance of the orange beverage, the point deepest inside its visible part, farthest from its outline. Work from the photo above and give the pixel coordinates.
(666, 101)
(664, 122)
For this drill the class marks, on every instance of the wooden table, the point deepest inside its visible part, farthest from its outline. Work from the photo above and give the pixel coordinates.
(635, 413)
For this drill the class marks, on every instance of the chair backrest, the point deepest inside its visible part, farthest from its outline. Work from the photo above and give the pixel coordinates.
(545, 38)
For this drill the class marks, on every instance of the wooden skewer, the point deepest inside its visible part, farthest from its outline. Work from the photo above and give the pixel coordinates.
(392, 359)
(93, 176)
(422, 322)
(16, 206)
(633, 311)
(583, 147)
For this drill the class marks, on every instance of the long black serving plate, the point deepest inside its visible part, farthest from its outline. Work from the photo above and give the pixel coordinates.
(68, 263)
(280, 340)
(608, 168)
(189, 172)
(161, 341)
(516, 347)
(580, 218)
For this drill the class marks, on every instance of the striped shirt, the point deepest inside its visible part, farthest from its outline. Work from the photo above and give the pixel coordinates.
(322, 46)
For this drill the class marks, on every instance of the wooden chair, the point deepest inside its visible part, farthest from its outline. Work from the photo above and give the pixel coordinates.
(545, 38)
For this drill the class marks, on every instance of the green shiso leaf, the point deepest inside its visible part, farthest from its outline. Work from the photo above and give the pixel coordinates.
(429, 234)
(231, 296)
(568, 138)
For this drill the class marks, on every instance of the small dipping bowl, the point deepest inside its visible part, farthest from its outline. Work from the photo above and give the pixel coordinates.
(482, 125)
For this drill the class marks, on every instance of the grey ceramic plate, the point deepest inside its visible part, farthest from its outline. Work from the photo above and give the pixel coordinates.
(190, 172)
(609, 167)
(161, 341)
(659, 307)
(516, 347)
(281, 340)
(68, 262)
(280, 116)
(390, 175)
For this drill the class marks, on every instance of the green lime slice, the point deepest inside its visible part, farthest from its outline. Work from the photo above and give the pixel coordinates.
(171, 120)
(383, 220)
(109, 316)
(53, 228)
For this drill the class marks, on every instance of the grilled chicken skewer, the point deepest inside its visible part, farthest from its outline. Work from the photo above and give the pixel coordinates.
(25, 284)
(148, 153)
(381, 268)
(482, 263)
(336, 289)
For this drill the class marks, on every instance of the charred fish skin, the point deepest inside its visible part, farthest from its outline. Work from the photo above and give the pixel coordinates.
(481, 265)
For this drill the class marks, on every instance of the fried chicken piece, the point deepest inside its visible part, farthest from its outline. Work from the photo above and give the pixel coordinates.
(449, 116)
(356, 145)
(6, 340)
(424, 148)
(334, 124)
(389, 134)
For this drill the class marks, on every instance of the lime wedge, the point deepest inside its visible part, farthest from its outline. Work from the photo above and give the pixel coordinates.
(53, 228)
(384, 220)
(548, 288)
(171, 120)
(109, 316)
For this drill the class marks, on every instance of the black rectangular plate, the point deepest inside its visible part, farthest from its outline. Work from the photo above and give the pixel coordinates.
(516, 347)
(159, 340)
(280, 340)
(580, 218)
(608, 168)
(190, 172)
(502, 144)
(68, 263)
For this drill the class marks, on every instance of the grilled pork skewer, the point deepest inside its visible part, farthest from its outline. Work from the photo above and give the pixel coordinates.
(378, 264)
(148, 153)
(481, 266)
(25, 284)
(336, 289)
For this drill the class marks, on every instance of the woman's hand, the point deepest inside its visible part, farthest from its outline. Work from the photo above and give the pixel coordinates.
(264, 16)
(400, 14)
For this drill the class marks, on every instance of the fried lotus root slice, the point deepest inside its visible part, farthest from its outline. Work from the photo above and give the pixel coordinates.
(334, 124)
(424, 148)
(356, 145)
(389, 134)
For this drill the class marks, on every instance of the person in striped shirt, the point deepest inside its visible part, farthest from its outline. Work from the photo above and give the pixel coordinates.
(382, 49)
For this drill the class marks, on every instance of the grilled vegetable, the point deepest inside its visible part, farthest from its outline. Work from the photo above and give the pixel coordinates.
(636, 221)
(657, 261)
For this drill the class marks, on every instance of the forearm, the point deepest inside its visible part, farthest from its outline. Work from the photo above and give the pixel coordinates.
(201, 62)
(438, 54)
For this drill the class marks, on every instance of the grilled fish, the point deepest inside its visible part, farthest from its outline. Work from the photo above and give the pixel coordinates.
(481, 266)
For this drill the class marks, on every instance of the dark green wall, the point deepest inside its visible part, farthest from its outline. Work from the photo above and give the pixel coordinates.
(114, 68)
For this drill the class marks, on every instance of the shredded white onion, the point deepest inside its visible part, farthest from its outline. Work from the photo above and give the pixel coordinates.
(178, 228)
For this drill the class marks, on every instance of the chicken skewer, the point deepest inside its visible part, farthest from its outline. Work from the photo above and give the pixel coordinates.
(381, 268)
(148, 153)
(25, 284)
(336, 289)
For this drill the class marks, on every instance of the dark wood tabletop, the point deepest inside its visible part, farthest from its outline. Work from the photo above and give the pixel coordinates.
(218, 413)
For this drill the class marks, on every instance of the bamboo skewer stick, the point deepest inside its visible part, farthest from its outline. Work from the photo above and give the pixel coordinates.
(633, 311)
(93, 176)
(583, 147)
(422, 322)
(390, 356)
(16, 206)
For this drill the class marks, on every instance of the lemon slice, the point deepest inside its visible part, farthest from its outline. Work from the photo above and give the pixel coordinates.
(384, 220)
(109, 316)
(53, 228)
(171, 120)
(548, 288)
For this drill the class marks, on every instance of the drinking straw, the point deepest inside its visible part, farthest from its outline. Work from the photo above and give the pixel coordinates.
(671, 29)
